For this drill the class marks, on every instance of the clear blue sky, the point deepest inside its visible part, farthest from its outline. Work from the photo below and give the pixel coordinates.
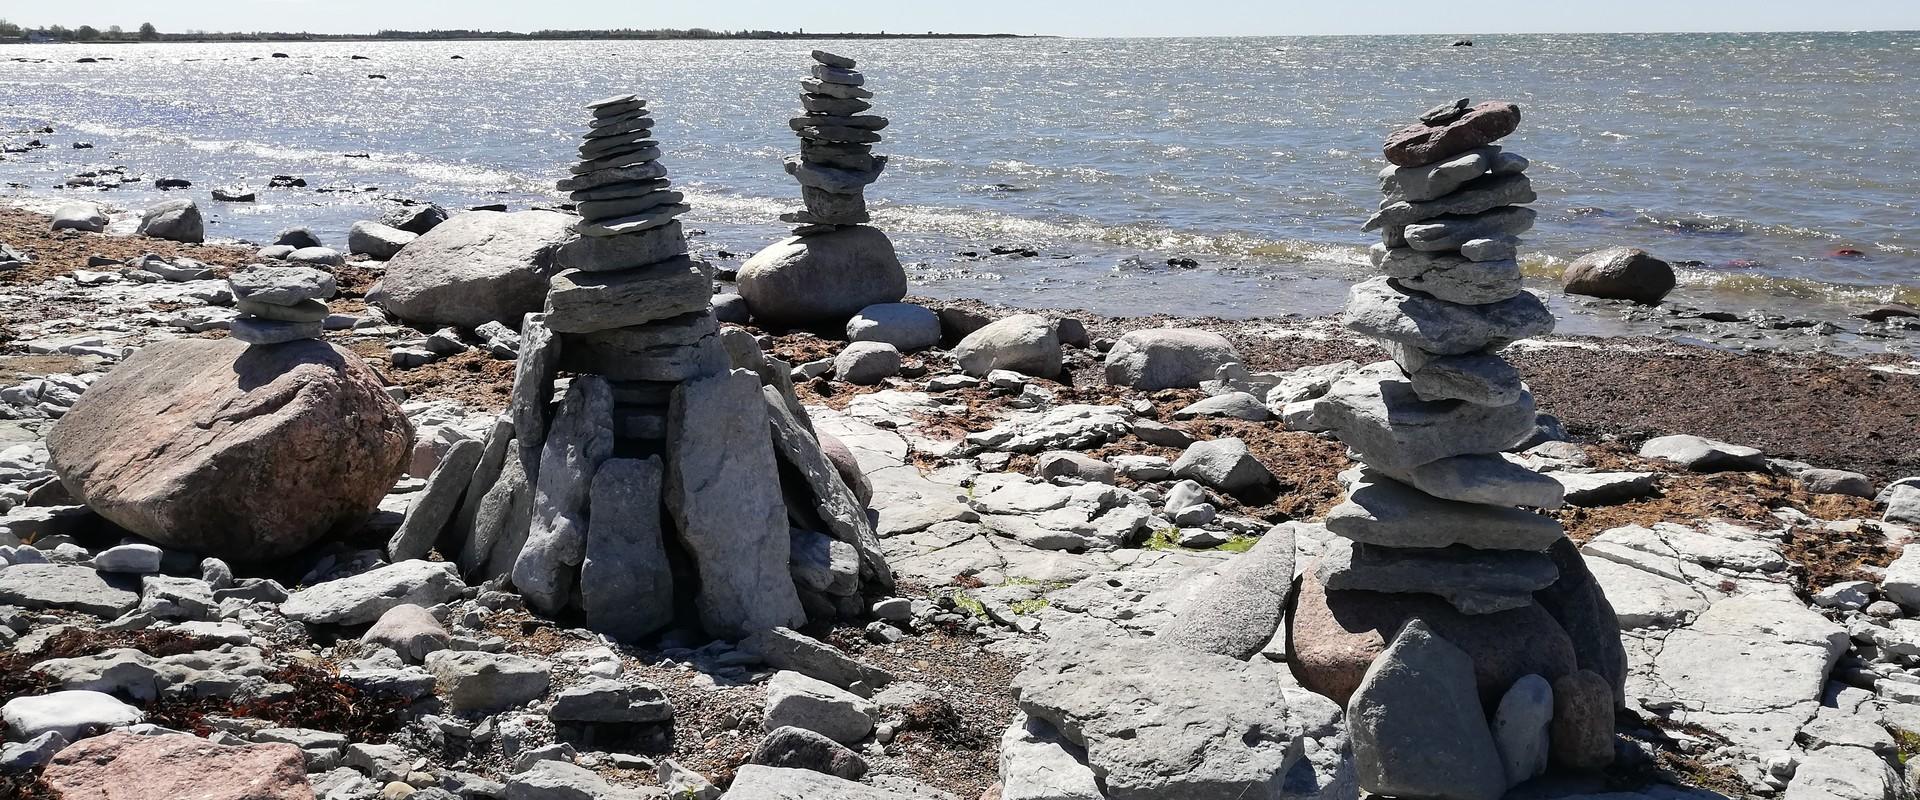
(1061, 17)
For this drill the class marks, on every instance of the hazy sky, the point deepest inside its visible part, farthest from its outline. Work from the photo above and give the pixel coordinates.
(1062, 17)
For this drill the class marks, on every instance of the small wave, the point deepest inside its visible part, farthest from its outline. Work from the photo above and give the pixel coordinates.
(413, 164)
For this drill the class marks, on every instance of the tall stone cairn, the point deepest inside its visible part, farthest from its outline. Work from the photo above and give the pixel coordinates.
(1434, 510)
(835, 264)
(654, 483)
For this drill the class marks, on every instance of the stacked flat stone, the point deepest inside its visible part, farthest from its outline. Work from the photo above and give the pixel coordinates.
(629, 304)
(279, 304)
(1434, 508)
(677, 469)
(836, 160)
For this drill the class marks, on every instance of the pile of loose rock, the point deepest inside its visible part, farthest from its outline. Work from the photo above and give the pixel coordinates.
(1481, 605)
(279, 304)
(658, 476)
(835, 264)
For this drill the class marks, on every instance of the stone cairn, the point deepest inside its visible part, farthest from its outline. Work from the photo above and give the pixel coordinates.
(279, 304)
(677, 480)
(1474, 601)
(835, 264)
(836, 160)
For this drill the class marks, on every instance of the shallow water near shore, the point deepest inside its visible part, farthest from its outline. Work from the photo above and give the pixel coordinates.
(1753, 157)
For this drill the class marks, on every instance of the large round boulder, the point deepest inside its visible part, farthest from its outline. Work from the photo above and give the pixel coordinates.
(1168, 358)
(823, 278)
(1025, 343)
(475, 268)
(244, 453)
(174, 220)
(1335, 636)
(1620, 273)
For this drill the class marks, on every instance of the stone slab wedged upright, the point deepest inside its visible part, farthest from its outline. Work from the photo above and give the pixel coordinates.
(434, 507)
(1417, 726)
(845, 516)
(626, 584)
(579, 441)
(723, 491)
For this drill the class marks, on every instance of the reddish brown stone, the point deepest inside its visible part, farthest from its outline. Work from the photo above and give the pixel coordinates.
(1418, 144)
(1582, 733)
(1335, 636)
(246, 453)
(125, 766)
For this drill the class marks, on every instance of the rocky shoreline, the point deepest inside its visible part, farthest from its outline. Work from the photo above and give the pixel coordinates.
(1040, 488)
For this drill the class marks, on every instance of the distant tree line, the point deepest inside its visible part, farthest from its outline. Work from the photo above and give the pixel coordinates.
(147, 33)
(84, 33)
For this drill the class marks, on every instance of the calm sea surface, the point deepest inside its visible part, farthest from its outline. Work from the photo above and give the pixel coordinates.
(1754, 157)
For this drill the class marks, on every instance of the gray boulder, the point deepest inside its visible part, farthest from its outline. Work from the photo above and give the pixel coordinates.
(1416, 724)
(71, 714)
(867, 363)
(416, 219)
(906, 326)
(1520, 728)
(823, 278)
(1025, 343)
(377, 241)
(1620, 273)
(1167, 358)
(1224, 464)
(174, 220)
(70, 587)
(79, 217)
(410, 631)
(477, 267)
(799, 748)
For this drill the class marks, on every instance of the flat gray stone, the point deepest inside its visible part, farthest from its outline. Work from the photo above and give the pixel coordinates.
(786, 649)
(1158, 721)
(1475, 197)
(1436, 180)
(583, 302)
(1481, 379)
(1486, 479)
(1589, 489)
(68, 587)
(1450, 232)
(471, 680)
(796, 700)
(1376, 412)
(71, 714)
(1384, 512)
(1701, 454)
(1520, 728)
(1036, 763)
(361, 599)
(615, 701)
(1473, 581)
(833, 500)
(1376, 308)
(756, 782)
